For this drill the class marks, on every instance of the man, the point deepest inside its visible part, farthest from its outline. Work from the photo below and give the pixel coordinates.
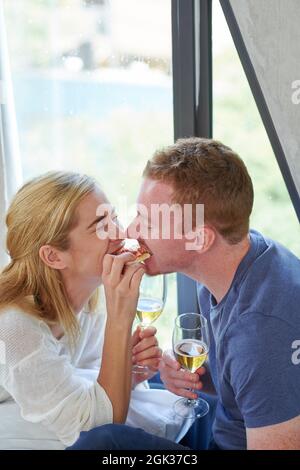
(248, 289)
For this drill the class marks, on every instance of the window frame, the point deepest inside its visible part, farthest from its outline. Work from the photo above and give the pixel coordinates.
(192, 94)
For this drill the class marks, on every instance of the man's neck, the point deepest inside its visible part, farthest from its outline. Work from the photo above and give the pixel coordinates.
(216, 269)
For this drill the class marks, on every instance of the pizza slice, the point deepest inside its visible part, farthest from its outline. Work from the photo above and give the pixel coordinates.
(139, 251)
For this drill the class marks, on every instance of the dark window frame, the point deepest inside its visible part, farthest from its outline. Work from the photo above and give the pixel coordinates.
(192, 92)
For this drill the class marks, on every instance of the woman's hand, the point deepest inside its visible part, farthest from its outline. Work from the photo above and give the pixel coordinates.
(145, 352)
(121, 284)
(177, 380)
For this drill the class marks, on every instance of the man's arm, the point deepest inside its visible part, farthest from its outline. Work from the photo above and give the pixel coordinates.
(265, 380)
(282, 436)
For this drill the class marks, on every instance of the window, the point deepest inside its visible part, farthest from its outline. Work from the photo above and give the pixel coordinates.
(237, 122)
(93, 92)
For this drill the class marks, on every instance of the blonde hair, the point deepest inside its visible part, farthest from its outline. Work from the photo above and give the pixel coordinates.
(205, 171)
(42, 213)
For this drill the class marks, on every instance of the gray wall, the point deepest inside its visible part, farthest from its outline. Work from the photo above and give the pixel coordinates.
(271, 32)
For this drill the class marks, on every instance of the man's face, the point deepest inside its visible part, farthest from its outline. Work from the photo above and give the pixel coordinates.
(168, 253)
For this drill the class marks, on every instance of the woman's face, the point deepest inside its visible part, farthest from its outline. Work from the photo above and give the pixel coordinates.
(84, 258)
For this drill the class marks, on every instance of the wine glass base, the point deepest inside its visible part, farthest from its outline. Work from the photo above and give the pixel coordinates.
(191, 409)
(136, 369)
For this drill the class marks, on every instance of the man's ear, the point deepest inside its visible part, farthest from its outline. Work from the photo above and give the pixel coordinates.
(201, 239)
(52, 257)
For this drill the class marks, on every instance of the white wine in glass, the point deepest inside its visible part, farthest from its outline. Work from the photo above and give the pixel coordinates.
(191, 347)
(151, 302)
(191, 354)
(148, 310)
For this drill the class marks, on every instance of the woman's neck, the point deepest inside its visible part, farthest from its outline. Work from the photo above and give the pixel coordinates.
(79, 291)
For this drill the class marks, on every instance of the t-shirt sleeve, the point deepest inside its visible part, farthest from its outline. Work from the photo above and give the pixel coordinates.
(47, 389)
(262, 373)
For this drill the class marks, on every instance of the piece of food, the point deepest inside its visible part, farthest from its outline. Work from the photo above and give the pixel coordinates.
(139, 251)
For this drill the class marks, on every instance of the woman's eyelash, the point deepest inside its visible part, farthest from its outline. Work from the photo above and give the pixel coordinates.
(104, 222)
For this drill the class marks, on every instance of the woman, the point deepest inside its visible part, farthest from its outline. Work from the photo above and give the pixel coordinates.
(65, 370)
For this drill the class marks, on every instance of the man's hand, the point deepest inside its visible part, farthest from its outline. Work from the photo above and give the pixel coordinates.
(177, 380)
(145, 352)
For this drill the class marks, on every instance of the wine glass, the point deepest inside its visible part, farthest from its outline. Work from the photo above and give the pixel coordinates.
(151, 302)
(190, 347)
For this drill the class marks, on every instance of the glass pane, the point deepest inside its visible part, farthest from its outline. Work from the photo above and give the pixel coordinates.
(238, 124)
(93, 91)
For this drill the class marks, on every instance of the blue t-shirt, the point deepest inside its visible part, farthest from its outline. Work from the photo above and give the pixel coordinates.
(252, 333)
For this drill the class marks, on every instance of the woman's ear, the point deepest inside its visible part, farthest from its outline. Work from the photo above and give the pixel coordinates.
(52, 257)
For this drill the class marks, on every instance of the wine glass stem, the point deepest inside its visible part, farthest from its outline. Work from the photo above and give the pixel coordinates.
(191, 402)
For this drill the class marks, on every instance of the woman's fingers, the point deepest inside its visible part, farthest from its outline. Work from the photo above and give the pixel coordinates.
(113, 265)
(136, 278)
(107, 264)
(142, 333)
(118, 266)
(121, 283)
(147, 332)
(145, 344)
(136, 337)
(125, 285)
(154, 352)
(146, 352)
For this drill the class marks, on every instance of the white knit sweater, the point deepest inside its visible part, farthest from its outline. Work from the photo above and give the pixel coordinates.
(48, 395)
